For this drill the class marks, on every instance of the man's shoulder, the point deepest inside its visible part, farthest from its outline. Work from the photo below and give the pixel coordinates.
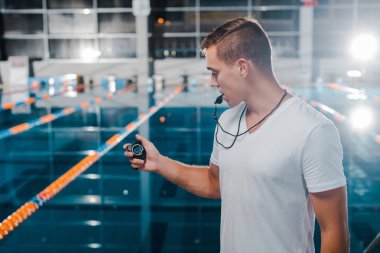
(305, 114)
(301, 119)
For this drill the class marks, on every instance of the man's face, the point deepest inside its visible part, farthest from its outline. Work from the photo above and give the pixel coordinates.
(225, 77)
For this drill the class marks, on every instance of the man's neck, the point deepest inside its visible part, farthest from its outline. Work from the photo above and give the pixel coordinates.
(263, 96)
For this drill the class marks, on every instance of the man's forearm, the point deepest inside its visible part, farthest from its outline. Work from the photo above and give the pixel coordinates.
(195, 179)
(335, 242)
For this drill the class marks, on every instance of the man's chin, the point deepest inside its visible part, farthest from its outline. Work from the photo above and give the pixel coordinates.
(229, 102)
(233, 103)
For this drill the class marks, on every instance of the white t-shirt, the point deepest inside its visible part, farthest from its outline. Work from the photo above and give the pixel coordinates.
(266, 176)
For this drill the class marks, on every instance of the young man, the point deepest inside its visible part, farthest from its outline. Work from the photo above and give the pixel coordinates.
(276, 162)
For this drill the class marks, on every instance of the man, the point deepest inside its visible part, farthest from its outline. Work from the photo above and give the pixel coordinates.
(275, 161)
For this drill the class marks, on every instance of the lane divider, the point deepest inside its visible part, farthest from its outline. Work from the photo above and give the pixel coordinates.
(53, 116)
(335, 86)
(26, 210)
(15, 91)
(30, 100)
(337, 116)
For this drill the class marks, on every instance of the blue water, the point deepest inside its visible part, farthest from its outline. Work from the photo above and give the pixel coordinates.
(113, 208)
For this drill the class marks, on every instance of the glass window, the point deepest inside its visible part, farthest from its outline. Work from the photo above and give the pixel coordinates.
(279, 20)
(69, 48)
(22, 23)
(280, 14)
(332, 20)
(176, 22)
(116, 23)
(172, 3)
(276, 2)
(368, 2)
(34, 48)
(69, 4)
(180, 3)
(178, 47)
(114, 3)
(23, 4)
(327, 2)
(330, 45)
(118, 48)
(368, 18)
(223, 2)
(284, 46)
(63, 23)
(212, 19)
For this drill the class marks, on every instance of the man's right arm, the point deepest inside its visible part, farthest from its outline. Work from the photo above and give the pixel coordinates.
(202, 181)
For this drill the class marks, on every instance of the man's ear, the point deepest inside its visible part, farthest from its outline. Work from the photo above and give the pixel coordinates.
(243, 66)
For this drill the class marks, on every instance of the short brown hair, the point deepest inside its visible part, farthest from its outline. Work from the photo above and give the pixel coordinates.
(249, 40)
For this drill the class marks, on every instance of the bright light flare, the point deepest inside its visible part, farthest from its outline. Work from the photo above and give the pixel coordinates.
(364, 47)
(357, 96)
(90, 53)
(361, 118)
(354, 73)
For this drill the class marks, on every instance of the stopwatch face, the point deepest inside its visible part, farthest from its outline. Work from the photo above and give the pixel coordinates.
(137, 149)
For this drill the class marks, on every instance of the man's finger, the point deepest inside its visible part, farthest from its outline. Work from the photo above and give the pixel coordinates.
(136, 167)
(141, 138)
(138, 161)
(128, 154)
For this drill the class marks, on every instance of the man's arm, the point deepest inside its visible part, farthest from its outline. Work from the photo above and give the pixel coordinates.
(202, 181)
(330, 208)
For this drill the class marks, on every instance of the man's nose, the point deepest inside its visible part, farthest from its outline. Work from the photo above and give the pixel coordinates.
(214, 82)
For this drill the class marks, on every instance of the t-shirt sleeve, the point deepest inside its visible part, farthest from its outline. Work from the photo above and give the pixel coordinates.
(322, 159)
(215, 151)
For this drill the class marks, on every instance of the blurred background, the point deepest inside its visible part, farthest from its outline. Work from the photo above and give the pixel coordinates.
(75, 73)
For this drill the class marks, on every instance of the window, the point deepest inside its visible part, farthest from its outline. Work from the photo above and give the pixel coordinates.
(23, 4)
(369, 18)
(223, 2)
(69, 48)
(117, 47)
(114, 3)
(116, 23)
(212, 19)
(22, 23)
(69, 4)
(284, 46)
(283, 20)
(34, 48)
(64, 23)
(176, 22)
(332, 20)
(178, 47)
(172, 3)
(327, 2)
(330, 45)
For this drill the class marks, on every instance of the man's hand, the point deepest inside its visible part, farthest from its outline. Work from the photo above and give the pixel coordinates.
(152, 156)
(202, 181)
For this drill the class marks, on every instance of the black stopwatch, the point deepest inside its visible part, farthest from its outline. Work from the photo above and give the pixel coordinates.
(138, 150)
